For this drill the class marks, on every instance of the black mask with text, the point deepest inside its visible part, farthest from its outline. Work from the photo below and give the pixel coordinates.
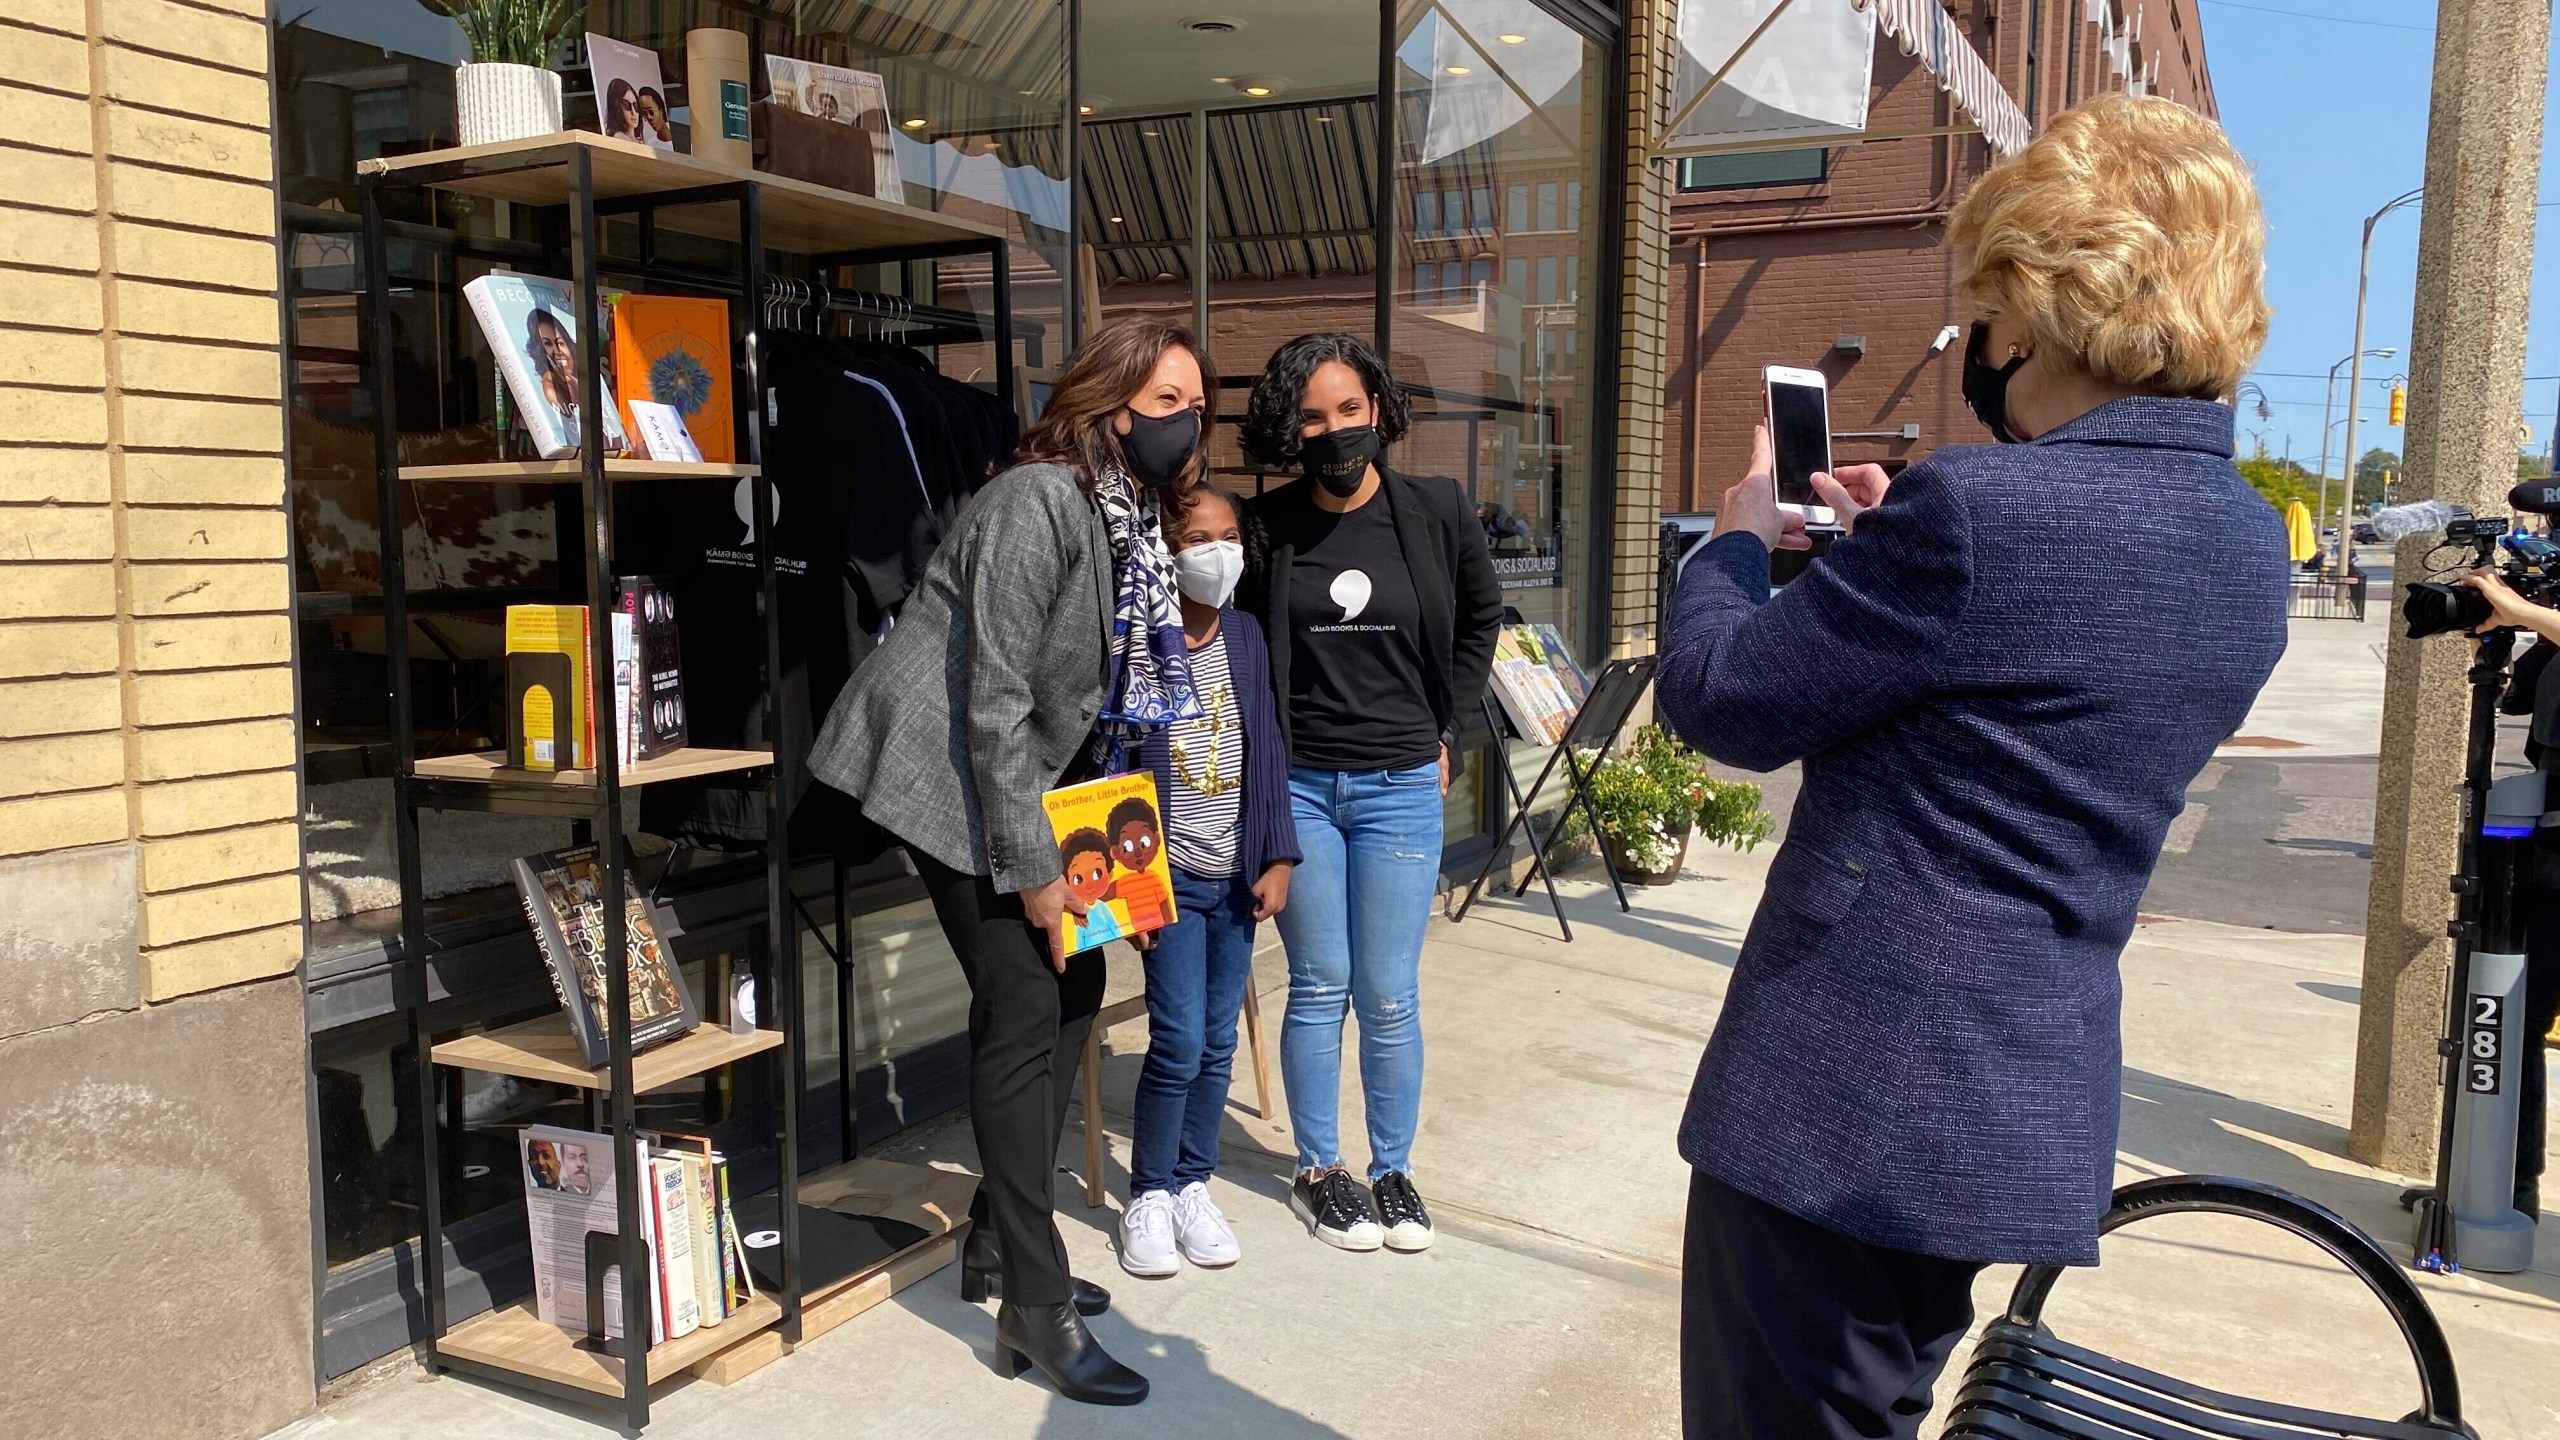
(1339, 460)
(1158, 447)
(1986, 390)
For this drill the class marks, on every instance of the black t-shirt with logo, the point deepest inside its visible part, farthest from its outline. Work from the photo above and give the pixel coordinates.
(1356, 698)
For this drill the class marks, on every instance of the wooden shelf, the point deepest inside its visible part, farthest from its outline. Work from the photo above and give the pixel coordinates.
(545, 1049)
(516, 1339)
(798, 217)
(484, 768)
(569, 472)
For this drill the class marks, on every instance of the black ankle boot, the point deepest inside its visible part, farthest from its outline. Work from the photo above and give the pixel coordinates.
(1053, 1337)
(982, 1278)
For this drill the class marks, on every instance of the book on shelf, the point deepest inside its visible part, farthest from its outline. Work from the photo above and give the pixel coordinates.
(562, 892)
(673, 1216)
(1110, 837)
(549, 726)
(673, 350)
(657, 722)
(705, 1174)
(569, 1193)
(858, 98)
(531, 325)
(741, 1280)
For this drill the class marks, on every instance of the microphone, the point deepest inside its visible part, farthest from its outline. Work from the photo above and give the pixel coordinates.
(2537, 497)
(2395, 523)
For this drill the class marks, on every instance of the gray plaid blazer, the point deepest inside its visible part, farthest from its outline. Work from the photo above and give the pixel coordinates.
(987, 689)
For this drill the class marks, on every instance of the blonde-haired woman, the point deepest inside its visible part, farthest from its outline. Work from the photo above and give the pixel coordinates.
(2000, 683)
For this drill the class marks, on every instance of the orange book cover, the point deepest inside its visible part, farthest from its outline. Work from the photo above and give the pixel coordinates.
(1110, 835)
(674, 350)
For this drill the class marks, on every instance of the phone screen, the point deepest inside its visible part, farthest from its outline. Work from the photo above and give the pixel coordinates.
(1800, 435)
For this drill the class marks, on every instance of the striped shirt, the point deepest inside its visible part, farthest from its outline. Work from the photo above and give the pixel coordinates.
(1204, 812)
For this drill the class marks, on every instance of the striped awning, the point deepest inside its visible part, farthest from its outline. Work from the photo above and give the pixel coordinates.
(1925, 31)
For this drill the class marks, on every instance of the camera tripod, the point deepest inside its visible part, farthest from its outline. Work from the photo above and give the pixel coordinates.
(2468, 1215)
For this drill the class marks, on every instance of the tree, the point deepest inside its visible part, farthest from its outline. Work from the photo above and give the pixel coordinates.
(2370, 470)
(2280, 482)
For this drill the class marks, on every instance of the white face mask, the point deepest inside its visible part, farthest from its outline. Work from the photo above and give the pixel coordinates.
(1208, 573)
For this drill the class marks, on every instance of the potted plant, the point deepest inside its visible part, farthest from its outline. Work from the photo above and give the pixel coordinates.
(1651, 797)
(507, 92)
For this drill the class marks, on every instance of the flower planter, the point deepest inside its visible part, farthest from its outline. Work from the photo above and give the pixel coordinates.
(495, 102)
(1634, 874)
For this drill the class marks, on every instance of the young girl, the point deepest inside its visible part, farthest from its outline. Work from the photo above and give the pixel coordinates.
(1224, 782)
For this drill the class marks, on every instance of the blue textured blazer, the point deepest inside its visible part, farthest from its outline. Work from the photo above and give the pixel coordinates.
(2000, 687)
(1270, 835)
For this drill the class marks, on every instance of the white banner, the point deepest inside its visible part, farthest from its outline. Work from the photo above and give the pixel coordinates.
(1805, 76)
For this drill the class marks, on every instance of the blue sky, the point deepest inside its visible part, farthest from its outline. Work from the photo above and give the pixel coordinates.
(2334, 117)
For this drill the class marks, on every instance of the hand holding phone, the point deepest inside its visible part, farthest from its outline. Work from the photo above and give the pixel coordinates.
(1752, 503)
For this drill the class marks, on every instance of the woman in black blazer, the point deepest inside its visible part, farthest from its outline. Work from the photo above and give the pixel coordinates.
(1381, 608)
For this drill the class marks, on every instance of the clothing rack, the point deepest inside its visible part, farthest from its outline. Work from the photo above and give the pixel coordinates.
(808, 305)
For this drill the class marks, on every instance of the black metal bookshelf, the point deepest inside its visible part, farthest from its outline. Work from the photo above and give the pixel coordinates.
(584, 181)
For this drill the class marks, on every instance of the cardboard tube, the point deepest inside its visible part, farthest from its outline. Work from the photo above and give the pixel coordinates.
(715, 72)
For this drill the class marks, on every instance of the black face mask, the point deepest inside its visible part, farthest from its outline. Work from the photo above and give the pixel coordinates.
(1986, 391)
(1158, 447)
(1339, 460)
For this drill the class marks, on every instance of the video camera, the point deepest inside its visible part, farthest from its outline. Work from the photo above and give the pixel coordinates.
(2531, 566)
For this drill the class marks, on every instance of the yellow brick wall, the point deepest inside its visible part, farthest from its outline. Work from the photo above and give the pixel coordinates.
(145, 690)
(1641, 335)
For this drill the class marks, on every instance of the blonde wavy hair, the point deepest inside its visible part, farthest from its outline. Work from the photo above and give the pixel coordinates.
(2128, 237)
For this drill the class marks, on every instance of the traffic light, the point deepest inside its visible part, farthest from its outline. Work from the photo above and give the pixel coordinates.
(2399, 404)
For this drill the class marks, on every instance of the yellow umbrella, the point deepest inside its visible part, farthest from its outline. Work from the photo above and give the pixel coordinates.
(2300, 538)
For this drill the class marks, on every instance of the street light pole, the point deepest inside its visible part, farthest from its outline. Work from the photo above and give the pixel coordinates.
(2328, 402)
(2355, 374)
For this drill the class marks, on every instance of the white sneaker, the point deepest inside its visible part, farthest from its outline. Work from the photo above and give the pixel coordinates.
(1204, 1235)
(1146, 1236)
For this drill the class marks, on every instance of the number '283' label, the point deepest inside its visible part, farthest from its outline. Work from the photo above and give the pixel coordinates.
(2483, 1045)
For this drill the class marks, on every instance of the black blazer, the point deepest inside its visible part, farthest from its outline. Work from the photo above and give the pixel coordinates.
(1452, 573)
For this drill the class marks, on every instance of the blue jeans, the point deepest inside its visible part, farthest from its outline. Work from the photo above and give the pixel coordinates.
(1358, 905)
(1196, 976)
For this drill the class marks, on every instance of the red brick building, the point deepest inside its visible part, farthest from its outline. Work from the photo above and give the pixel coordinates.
(1829, 258)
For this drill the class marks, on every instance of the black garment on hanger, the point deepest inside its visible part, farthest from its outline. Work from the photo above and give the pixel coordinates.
(871, 458)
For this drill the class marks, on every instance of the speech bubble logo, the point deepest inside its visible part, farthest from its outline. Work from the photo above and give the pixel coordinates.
(1351, 592)
(743, 500)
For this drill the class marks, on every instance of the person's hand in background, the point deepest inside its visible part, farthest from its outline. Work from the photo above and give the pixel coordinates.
(1851, 491)
(1753, 504)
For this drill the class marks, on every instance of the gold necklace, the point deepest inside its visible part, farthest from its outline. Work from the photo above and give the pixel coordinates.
(1216, 723)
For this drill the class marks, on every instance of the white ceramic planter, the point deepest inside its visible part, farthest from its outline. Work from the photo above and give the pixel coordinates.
(505, 102)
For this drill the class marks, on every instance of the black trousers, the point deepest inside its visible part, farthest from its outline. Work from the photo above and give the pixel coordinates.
(1027, 1024)
(2541, 1003)
(1789, 1331)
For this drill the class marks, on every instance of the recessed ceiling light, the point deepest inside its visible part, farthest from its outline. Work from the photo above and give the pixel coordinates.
(1324, 119)
(1217, 79)
(1259, 86)
(1150, 134)
(1115, 220)
(1512, 39)
(1213, 24)
(1459, 70)
(917, 123)
(1257, 91)
(1084, 109)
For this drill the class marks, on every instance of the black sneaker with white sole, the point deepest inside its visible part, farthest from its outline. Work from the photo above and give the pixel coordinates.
(1400, 1206)
(1336, 1208)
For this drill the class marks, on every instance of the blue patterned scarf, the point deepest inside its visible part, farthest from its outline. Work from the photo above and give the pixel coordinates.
(1150, 679)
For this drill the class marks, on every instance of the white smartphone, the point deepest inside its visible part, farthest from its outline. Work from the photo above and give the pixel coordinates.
(1799, 414)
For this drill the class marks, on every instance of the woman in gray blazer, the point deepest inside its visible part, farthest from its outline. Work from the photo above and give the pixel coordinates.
(1044, 637)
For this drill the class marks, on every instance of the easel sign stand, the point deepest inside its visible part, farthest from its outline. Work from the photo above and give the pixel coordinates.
(1596, 726)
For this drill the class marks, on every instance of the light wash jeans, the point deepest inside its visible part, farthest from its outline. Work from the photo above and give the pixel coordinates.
(1358, 904)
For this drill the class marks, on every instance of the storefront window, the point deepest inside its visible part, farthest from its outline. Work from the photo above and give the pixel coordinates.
(1499, 97)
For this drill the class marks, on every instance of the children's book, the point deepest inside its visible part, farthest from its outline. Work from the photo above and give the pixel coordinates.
(531, 325)
(1110, 835)
(674, 350)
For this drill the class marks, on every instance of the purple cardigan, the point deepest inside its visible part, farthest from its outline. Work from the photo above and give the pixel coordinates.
(1269, 836)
